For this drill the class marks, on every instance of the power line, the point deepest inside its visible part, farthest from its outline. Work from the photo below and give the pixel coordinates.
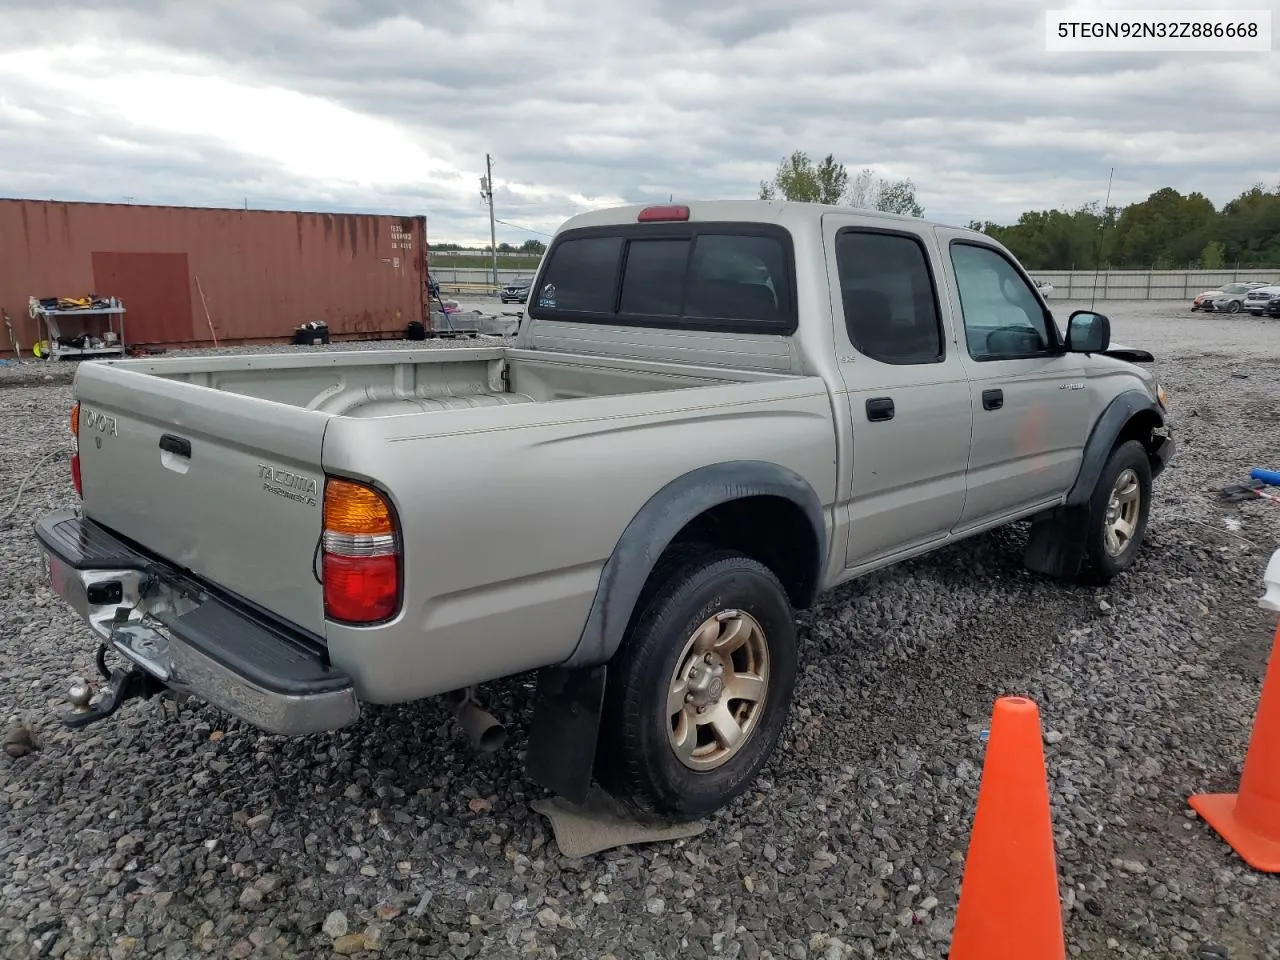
(520, 226)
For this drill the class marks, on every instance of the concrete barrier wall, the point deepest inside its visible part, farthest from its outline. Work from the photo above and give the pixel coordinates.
(1144, 284)
(1073, 284)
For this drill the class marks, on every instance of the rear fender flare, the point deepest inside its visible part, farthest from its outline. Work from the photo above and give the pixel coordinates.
(658, 523)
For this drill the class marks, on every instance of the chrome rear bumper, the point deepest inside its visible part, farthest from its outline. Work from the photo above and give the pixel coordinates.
(193, 642)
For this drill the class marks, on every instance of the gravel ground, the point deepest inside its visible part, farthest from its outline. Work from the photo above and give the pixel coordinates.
(155, 836)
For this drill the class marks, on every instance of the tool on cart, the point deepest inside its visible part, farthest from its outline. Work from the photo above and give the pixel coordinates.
(1258, 490)
(13, 337)
(207, 316)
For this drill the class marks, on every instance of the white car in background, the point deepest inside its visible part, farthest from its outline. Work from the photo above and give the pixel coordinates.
(1045, 288)
(1226, 295)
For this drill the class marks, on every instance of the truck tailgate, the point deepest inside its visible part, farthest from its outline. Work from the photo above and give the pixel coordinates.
(225, 486)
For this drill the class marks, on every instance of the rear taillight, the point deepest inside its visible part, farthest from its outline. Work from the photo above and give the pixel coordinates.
(75, 454)
(361, 554)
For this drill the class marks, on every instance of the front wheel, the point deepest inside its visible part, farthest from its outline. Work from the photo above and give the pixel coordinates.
(1234, 307)
(700, 690)
(1119, 510)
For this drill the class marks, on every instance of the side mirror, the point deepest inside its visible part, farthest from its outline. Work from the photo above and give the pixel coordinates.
(1088, 332)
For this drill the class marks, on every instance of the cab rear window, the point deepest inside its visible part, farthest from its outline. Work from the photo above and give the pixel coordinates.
(715, 277)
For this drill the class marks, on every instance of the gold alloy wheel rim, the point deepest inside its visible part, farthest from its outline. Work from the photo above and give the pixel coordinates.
(1123, 506)
(717, 690)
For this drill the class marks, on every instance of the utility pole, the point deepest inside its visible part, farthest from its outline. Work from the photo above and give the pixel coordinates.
(486, 193)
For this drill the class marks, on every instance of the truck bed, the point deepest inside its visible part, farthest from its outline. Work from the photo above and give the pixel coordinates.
(396, 382)
(217, 464)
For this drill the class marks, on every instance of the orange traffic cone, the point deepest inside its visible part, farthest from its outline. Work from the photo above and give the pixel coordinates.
(1250, 820)
(1009, 907)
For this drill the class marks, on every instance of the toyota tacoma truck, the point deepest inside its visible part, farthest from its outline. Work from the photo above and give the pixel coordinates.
(711, 414)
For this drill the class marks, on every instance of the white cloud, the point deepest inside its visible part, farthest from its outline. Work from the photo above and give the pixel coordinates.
(391, 105)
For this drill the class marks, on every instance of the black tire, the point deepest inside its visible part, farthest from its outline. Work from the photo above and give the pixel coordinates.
(636, 761)
(1235, 307)
(1104, 562)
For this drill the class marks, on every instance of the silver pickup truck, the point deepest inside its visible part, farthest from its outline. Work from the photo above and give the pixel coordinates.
(711, 414)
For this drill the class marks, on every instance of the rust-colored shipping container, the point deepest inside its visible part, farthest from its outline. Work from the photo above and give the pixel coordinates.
(259, 273)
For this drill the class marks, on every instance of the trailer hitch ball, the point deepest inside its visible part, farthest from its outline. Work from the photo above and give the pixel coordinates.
(79, 695)
(126, 683)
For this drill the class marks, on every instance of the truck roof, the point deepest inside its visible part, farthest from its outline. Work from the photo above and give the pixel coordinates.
(788, 213)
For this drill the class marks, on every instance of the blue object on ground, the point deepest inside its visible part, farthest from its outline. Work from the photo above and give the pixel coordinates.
(1269, 477)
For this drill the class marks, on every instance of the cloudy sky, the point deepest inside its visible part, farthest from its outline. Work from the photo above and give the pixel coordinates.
(391, 105)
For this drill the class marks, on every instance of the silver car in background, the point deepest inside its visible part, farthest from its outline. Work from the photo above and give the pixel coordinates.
(1232, 297)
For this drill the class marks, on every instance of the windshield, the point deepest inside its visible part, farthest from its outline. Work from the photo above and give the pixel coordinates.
(1235, 288)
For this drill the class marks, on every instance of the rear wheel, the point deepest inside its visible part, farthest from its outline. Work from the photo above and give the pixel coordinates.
(1119, 509)
(700, 690)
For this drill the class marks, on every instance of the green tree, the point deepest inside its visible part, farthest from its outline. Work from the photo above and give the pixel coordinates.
(898, 196)
(1055, 239)
(1213, 256)
(533, 246)
(1250, 227)
(1167, 229)
(799, 178)
(870, 191)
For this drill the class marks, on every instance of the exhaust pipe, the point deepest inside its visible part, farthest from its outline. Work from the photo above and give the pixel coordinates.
(481, 727)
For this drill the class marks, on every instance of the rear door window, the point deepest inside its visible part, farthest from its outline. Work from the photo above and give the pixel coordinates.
(890, 304)
(701, 276)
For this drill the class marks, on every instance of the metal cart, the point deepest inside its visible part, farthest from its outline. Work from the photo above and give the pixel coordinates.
(100, 343)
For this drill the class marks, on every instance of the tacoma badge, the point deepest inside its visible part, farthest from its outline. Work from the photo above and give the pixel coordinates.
(286, 483)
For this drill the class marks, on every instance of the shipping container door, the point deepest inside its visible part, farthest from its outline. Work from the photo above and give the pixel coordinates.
(156, 290)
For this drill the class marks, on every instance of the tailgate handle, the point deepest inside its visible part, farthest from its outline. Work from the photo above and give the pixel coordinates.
(178, 446)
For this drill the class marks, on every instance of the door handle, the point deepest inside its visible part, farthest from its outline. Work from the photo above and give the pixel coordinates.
(880, 408)
(992, 399)
(178, 446)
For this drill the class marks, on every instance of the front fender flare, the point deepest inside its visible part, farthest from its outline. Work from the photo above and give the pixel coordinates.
(1058, 539)
(1102, 439)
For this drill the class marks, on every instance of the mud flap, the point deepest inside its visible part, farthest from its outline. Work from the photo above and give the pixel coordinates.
(1058, 542)
(566, 725)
